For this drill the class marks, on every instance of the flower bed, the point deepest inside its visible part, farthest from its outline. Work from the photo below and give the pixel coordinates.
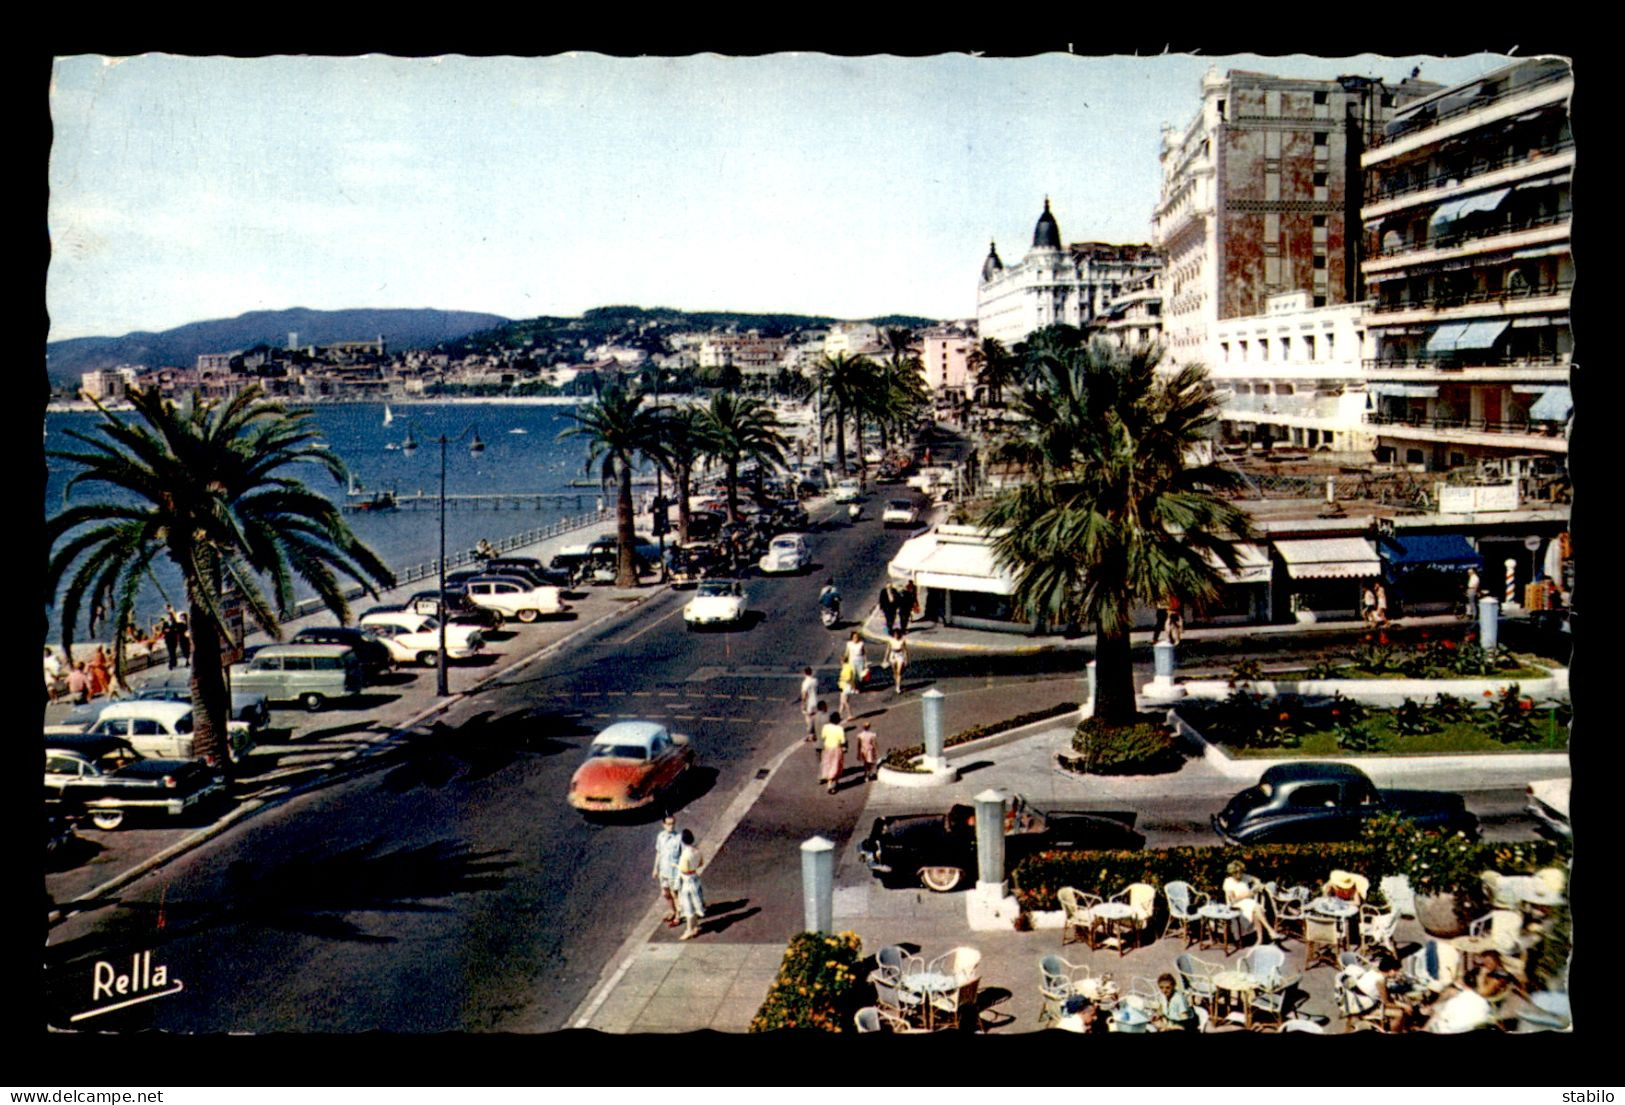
(1396, 653)
(1147, 747)
(903, 759)
(818, 985)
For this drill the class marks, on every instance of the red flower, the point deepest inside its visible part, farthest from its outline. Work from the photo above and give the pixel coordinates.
(1285, 717)
(1337, 713)
(1424, 634)
(1526, 704)
(1450, 646)
(1489, 694)
(1383, 639)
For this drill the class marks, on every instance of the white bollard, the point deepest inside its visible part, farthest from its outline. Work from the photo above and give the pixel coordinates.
(818, 884)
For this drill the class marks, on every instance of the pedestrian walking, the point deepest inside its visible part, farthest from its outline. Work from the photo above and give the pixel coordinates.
(845, 683)
(1176, 619)
(668, 849)
(53, 673)
(184, 640)
(98, 672)
(834, 760)
(820, 718)
(1472, 593)
(1381, 594)
(79, 683)
(858, 658)
(1368, 605)
(908, 606)
(690, 895)
(809, 702)
(897, 660)
(172, 640)
(890, 596)
(868, 751)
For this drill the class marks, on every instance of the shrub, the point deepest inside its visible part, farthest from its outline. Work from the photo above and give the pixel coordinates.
(1412, 719)
(1436, 862)
(902, 759)
(1322, 667)
(1148, 747)
(1448, 709)
(1512, 717)
(1246, 671)
(1036, 879)
(818, 985)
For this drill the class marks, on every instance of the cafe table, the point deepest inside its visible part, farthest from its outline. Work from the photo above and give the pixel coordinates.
(1346, 911)
(928, 985)
(1102, 990)
(1129, 1018)
(1237, 986)
(1217, 913)
(1115, 915)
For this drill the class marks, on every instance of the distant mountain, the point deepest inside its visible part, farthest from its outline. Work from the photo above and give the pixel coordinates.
(402, 328)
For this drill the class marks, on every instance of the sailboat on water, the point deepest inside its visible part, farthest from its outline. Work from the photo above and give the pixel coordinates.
(389, 417)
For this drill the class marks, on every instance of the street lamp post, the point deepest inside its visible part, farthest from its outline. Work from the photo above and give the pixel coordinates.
(475, 448)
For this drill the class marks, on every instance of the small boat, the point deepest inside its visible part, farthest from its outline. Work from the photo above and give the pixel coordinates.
(320, 445)
(389, 417)
(383, 500)
(517, 430)
(391, 446)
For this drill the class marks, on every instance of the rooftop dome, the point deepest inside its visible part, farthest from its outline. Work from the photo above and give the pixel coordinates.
(1046, 235)
(992, 265)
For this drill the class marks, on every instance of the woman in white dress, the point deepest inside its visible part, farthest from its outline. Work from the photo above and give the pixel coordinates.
(897, 660)
(856, 656)
(690, 896)
(1241, 890)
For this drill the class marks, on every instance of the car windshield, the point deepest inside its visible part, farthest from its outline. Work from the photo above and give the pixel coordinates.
(901, 504)
(618, 751)
(716, 590)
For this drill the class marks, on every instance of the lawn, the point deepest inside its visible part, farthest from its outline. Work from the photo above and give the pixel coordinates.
(1450, 738)
(1521, 674)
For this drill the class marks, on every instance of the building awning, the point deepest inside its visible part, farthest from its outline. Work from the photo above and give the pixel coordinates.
(1484, 201)
(1481, 335)
(1555, 406)
(956, 566)
(1543, 182)
(1330, 558)
(1406, 391)
(1539, 251)
(912, 554)
(1441, 552)
(1445, 212)
(1252, 565)
(1444, 338)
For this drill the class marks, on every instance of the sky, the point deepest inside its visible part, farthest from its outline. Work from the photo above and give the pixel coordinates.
(193, 188)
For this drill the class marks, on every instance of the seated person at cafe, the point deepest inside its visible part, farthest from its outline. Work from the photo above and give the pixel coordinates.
(1087, 1012)
(1379, 986)
(1176, 1012)
(1241, 890)
(1473, 1004)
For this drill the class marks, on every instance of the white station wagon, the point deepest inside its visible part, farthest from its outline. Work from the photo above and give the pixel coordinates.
(717, 602)
(415, 638)
(787, 552)
(163, 730)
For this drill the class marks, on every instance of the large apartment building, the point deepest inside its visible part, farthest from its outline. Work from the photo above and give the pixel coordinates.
(1256, 198)
(1469, 271)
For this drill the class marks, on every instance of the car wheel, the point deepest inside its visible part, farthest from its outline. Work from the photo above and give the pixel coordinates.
(107, 819)
(313, 701)
(528, 616)
(941, 879)
(428, 659)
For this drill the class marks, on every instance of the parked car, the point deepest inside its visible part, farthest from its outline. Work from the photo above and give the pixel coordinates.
(1548, 802)
(628, 766)
(848, 491)
(163, 729)
(1314, 803)
(415, 638)
(938, 850)
(248, 707)
(374, 655)
(716, 602)
(644, 550)
(512, 599)
(459, 610)
(531, 567)
(703, 525)
(106, 777)
(310, 674)
(788, 552)
(900, 512)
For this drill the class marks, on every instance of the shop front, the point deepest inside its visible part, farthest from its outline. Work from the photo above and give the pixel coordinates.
(1244, 593)
(1427, 573)
(1322, 577)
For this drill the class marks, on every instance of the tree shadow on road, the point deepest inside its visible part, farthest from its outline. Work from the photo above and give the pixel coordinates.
(481, 746)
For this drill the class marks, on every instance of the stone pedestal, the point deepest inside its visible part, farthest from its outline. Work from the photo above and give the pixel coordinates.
(991, 908)
(1162, 687)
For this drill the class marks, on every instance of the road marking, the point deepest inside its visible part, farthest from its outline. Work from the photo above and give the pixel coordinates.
(640, 694)
(651, 625)
(617, 694)
(670, 694)
(723, 719)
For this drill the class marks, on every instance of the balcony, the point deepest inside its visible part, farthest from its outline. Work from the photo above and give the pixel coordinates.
(1429, 115)
(1392, 188)
(1502, 296)
(1456, 237)
(1479, 367)
(1530, 433)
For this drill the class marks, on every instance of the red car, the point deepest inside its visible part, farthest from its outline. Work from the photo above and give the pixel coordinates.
(628, 766)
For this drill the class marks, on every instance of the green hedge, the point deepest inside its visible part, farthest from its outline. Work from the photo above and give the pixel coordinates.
(1037, 878)
(818, 986)
(1147, 747)
(902, 759)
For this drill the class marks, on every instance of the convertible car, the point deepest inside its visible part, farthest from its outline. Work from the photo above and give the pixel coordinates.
(630, 765)
(716, 602)
(938, 851)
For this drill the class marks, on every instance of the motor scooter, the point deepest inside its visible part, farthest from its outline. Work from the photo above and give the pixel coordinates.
(854, 511)
(829, 607)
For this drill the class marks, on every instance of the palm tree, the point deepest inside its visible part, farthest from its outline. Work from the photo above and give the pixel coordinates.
(682, 444)
(995, 369)
(841, 378)
(901, 392)
(204, 484)
(1114, 512)
(618, 430)
(736, 429)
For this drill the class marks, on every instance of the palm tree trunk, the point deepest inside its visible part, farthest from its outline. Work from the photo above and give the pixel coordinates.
(863, 463)
(683, 478)
(626, 570)
(211, 702)
(1114, 679)
(733, 489)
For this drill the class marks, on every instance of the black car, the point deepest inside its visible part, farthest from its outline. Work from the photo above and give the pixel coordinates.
(530, 566)
(460, 609)
(373, 653)
(938, 850)
(106, 778)
(703, 525)
(1316, 803)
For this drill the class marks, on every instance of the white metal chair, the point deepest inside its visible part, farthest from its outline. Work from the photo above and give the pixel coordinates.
(1140, 897)
(964, 965)
(1079, 917)
(892, 962)
(1196, 975)
(1286, 909)
(1322, 941)
(1058, 981)
(1183, 902)
(1264, 964)
(1377, 928)
(867, 1019)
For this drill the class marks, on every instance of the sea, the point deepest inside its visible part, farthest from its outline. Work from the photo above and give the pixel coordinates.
(523, 453)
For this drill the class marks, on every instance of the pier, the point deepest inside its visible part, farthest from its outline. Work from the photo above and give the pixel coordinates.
(499, 500)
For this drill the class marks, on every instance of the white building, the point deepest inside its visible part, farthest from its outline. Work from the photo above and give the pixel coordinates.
(104, 385)
(849, 339)
(945, 361)
(1293, 374)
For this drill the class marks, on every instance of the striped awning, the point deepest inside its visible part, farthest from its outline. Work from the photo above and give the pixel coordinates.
(963, 567)
(1252, 565)
(1329, 558)
(1555, 406)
